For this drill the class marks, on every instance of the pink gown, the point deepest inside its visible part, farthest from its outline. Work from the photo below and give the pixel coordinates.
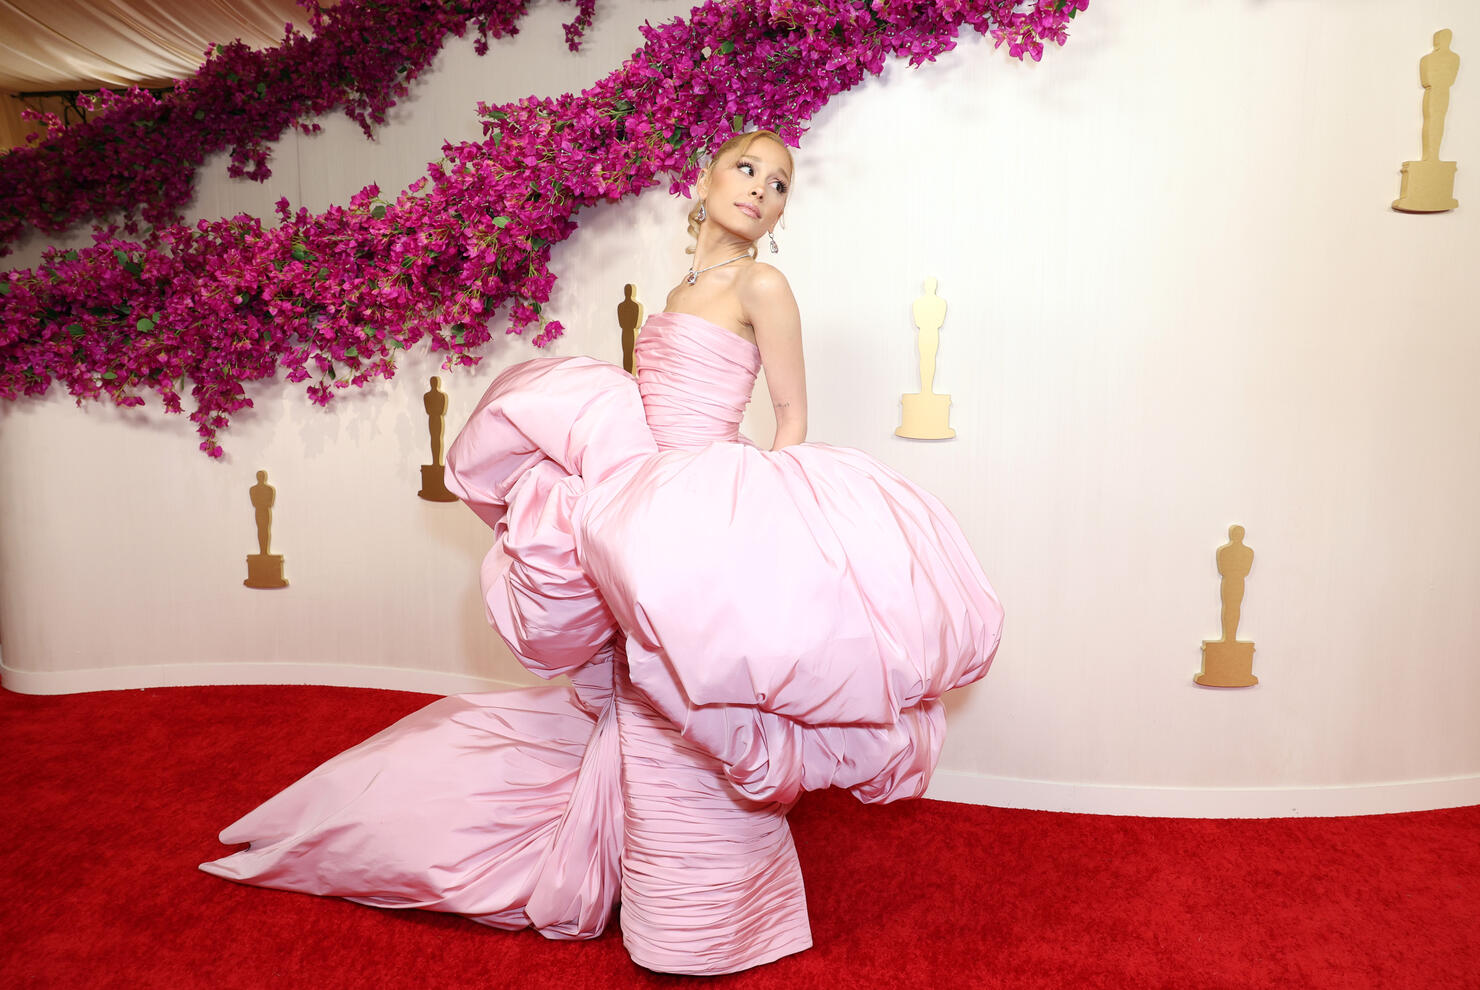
(737, 626)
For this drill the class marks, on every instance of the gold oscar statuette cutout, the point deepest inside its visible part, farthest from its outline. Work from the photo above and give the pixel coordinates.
(264, 568)
(1227, 662)
(1428, 184)
(926, 415)
(433, 487)
(629, 318)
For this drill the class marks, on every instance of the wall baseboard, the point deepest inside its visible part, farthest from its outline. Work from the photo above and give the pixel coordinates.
(947, 785)
(252, 672)
(1206, 802)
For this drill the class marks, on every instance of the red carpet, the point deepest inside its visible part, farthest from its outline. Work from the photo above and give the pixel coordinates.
(111, 799)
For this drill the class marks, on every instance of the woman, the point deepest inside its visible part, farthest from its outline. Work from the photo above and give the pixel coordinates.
(741, 197)
(737, 625)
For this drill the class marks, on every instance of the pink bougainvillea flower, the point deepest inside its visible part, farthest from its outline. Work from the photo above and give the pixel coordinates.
(330, 298)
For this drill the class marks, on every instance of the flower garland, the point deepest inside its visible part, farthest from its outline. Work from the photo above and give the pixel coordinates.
(332, 297)
(138, 154)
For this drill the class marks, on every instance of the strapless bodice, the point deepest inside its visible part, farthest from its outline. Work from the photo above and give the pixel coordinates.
(695, 379)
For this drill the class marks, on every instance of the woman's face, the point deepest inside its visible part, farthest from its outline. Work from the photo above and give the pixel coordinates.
(745, 192)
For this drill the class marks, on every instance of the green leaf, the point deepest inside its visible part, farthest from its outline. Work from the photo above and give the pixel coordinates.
(262, 89)
(497, 115)
(535, 243)
(500, 222)
(379, 212)
(133, 268)
(351, 351)
(395, 343)
(145, 324)
(726, 47)
(737, 122)
(301, 253)
(75, 329)
(535, 307)
(4, 288)
(109, 376)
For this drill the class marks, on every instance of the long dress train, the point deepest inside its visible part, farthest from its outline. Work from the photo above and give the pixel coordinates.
(737, 626)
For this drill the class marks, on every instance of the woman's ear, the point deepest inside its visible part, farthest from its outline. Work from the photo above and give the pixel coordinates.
(701, 188)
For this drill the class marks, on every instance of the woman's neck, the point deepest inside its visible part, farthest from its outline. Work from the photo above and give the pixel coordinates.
(717, 244)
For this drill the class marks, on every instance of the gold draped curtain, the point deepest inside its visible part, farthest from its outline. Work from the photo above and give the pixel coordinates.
(68, 45)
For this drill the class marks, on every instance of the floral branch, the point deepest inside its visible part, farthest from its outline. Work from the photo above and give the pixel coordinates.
(138, 154)
(331, 298)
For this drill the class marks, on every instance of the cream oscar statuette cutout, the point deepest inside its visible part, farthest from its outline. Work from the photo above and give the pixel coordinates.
(926, 415)
(1428, 184)
(1228, 662)
(433, 488)
(264, 568)
(629, 318)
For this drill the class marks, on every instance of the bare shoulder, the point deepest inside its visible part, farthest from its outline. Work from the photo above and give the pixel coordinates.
(769, 308)
(761, 282)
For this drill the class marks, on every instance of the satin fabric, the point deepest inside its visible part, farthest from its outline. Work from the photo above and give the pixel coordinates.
(738, 626)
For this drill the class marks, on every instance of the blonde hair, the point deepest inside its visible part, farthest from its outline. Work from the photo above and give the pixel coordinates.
(736, 145)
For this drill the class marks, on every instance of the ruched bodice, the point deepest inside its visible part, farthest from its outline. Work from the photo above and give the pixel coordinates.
(695, 379)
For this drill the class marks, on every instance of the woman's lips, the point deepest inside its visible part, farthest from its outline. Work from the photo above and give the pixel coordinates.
(749, 210)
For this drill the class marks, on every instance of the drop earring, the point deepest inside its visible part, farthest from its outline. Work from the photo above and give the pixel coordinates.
(772, 235)
(703, 214)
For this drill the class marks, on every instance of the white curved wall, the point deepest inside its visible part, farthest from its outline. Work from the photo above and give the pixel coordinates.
(1177, 300)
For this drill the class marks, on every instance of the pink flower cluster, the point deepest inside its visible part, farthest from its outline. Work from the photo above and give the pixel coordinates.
(330, 298)
(138, 154)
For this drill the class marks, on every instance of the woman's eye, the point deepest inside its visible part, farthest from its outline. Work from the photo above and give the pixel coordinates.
(749, 168)
(779, 186)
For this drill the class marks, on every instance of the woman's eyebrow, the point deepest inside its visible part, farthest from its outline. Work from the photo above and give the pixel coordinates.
(751, 158)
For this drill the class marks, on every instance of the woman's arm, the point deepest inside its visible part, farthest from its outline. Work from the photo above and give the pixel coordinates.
(772, 311)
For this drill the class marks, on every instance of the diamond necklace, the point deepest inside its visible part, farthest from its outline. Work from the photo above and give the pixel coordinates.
(693, 275)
